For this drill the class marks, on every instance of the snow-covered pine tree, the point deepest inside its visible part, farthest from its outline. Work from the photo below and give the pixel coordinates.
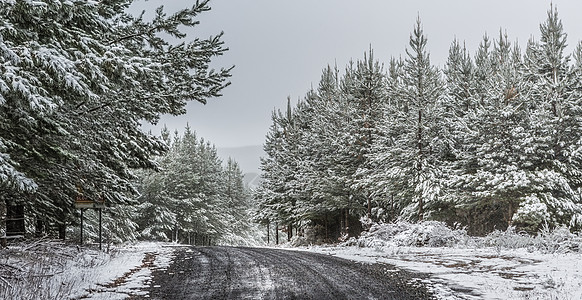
(239, 229)
(265, 195)
(553, 87)
(367, 92)
(412, 154)
(494, 169)
(276, 194)
(75, 90)
(170, 199)
(193, 198)
(378, 182)
(460, 80)
(483, 68)
(459, 103)
(326, 138)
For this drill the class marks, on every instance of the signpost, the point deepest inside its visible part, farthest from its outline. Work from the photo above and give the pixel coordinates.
(83, 204)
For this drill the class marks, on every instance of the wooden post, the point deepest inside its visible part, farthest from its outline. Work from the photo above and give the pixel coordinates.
(82, 226)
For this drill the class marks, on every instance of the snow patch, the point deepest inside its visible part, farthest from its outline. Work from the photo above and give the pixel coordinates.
(463, 267)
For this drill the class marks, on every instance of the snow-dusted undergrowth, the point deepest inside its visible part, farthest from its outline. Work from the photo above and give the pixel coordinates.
(48, 269)
(438, 234)
(501, 265)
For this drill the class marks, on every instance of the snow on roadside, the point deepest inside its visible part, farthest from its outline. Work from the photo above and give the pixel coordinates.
(458, 273)
(471, 270)
(126, 274)
(81, 273)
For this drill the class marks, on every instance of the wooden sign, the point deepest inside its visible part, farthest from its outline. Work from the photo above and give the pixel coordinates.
(84, 203)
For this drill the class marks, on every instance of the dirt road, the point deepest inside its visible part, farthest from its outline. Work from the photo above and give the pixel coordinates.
(259, 273)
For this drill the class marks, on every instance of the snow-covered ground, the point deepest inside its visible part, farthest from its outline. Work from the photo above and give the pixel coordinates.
(503, 265)
(481, 273)
(54, 271)
(515, 267)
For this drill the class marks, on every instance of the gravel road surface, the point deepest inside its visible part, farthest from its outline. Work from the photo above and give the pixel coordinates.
(264, 273)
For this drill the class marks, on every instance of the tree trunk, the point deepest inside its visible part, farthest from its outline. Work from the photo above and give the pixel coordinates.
(3, 217)
(420, 200)
(326, 228)
(510, 214)
(62, 227)
(342, 222)
(39, 228)
(277, 233)
(347, 222)
(289, 232)
(268, 233)
(392, 207)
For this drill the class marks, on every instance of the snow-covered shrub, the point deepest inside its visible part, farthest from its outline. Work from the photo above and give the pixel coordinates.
(531, 214)
(429, 233)
(438, 234)
(508, 239)
(559, 240)
(351, 241)
(366, 222)
(312, 235)
(300, 241)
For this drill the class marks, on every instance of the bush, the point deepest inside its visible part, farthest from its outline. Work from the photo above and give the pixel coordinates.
(429, 233)
(438, 234)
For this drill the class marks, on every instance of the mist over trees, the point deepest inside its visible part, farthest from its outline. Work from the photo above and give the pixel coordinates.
(491, 140)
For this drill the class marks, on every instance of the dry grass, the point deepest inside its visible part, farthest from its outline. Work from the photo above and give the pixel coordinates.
(45, 269)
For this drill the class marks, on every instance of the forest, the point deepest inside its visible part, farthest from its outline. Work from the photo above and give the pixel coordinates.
(491, 140)
(194, 198)
(77, 80)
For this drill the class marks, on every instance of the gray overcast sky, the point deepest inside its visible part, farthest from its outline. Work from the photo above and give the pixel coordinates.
(280, 47)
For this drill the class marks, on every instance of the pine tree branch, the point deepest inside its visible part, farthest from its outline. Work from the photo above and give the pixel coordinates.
(138, 34)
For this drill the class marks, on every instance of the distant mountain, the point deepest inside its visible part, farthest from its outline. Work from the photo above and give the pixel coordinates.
(248, 157)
